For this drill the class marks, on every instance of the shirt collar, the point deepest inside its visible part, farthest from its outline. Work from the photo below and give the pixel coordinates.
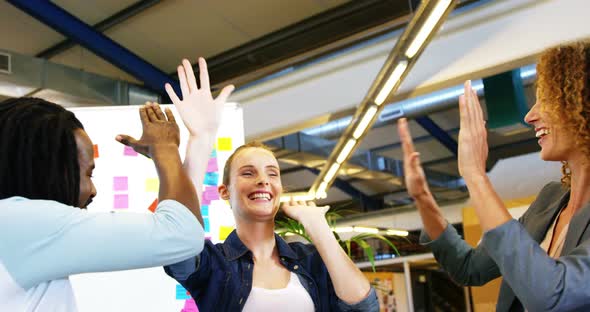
(234, 248)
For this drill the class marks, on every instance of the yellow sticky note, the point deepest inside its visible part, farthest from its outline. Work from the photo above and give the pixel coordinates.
(224, 144)
(152, 185)
(224, 231)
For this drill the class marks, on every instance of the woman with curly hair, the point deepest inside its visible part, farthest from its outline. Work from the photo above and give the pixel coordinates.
(543, 257)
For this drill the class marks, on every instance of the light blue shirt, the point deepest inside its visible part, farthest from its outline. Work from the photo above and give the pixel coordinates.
(43, 242)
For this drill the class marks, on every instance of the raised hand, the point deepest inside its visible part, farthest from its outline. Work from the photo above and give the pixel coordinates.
(159, 128)
(473, 141)
(302, 211)
(413, 173)
(198, 110)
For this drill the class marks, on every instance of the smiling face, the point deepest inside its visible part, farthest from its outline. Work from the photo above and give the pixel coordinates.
(254, 189)
(561, 116)
(557, 143)
(86, 163)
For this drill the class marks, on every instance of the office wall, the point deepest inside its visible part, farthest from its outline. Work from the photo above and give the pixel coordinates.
(127, 183)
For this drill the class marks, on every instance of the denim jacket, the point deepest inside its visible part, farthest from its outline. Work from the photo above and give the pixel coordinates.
(220, 278)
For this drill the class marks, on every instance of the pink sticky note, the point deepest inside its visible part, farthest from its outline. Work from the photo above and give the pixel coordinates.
(212, 165)
(120, 184)
(190, 306)
(121, 201)
(210, 193)
(128, 151)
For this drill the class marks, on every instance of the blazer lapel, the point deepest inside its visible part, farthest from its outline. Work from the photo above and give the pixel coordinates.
(541, 221)
(578, 224)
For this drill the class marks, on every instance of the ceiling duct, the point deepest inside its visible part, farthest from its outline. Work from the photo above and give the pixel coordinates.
(5, 67)
(423, 105)
(68, 86)
(505, 102)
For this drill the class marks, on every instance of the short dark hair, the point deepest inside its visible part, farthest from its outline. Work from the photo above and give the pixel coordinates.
(38, 151)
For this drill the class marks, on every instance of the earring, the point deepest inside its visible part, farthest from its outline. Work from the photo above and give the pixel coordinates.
(566, 172)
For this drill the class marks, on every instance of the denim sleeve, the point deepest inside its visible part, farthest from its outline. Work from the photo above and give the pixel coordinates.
(370, 303)
(467, 266)
(539, 281)
(193, 272)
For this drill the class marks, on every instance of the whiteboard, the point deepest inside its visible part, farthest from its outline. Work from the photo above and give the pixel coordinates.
(127, 183)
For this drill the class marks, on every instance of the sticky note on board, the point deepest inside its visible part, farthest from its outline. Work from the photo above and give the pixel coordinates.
(210, 193)
(224, 144)
(181, 293)
(190, 306)
(212, 165)
(128, 151)
(120, 184)
(213, 154)
(224, 231)
(205, 210)
(152, 185)
(206, 225)
(211, 178)
(153, 205)
(95, 148)
(121, 201)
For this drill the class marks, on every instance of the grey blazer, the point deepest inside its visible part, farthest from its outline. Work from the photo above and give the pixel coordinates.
(531, 278)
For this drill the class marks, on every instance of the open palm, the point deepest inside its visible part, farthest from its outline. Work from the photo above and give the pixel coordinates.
(199, 111)
(473, 143)
(413, 173)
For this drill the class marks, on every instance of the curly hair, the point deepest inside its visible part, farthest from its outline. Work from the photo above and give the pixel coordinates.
(563, 89)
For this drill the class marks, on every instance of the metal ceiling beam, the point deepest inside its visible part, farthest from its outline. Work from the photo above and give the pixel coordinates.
(415, 140)
(438, 133)
(321, 35)
(312, 145)
(498, 152)
(101, 26)
(75, 29)
(367, 203)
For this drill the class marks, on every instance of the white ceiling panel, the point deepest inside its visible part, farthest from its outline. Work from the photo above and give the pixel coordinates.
(256, 18)
(23, 34)
(176, 29)
(92, 12)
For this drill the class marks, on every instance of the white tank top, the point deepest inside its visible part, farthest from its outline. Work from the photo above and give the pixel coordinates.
(291, 298)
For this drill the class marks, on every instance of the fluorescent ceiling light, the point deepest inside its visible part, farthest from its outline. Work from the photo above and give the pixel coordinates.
(362, 229)
(362, 126)
(343, 229)
(391, 81)
(427, 27)
(300, 196)
(321, 191)
(397, 233)
(332, 172)
(346, 151)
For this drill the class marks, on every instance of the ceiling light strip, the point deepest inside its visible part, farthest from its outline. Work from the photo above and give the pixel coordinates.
(427, 27)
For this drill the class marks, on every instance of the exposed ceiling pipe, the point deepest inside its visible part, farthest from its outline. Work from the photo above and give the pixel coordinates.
(411, 108)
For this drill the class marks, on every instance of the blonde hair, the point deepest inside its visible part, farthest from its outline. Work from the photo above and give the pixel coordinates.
(227, 167)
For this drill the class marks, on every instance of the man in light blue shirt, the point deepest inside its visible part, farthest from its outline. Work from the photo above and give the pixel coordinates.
(46, 164)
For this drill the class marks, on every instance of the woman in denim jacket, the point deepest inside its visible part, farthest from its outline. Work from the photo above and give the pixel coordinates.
(254, 269)
(544, 257)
